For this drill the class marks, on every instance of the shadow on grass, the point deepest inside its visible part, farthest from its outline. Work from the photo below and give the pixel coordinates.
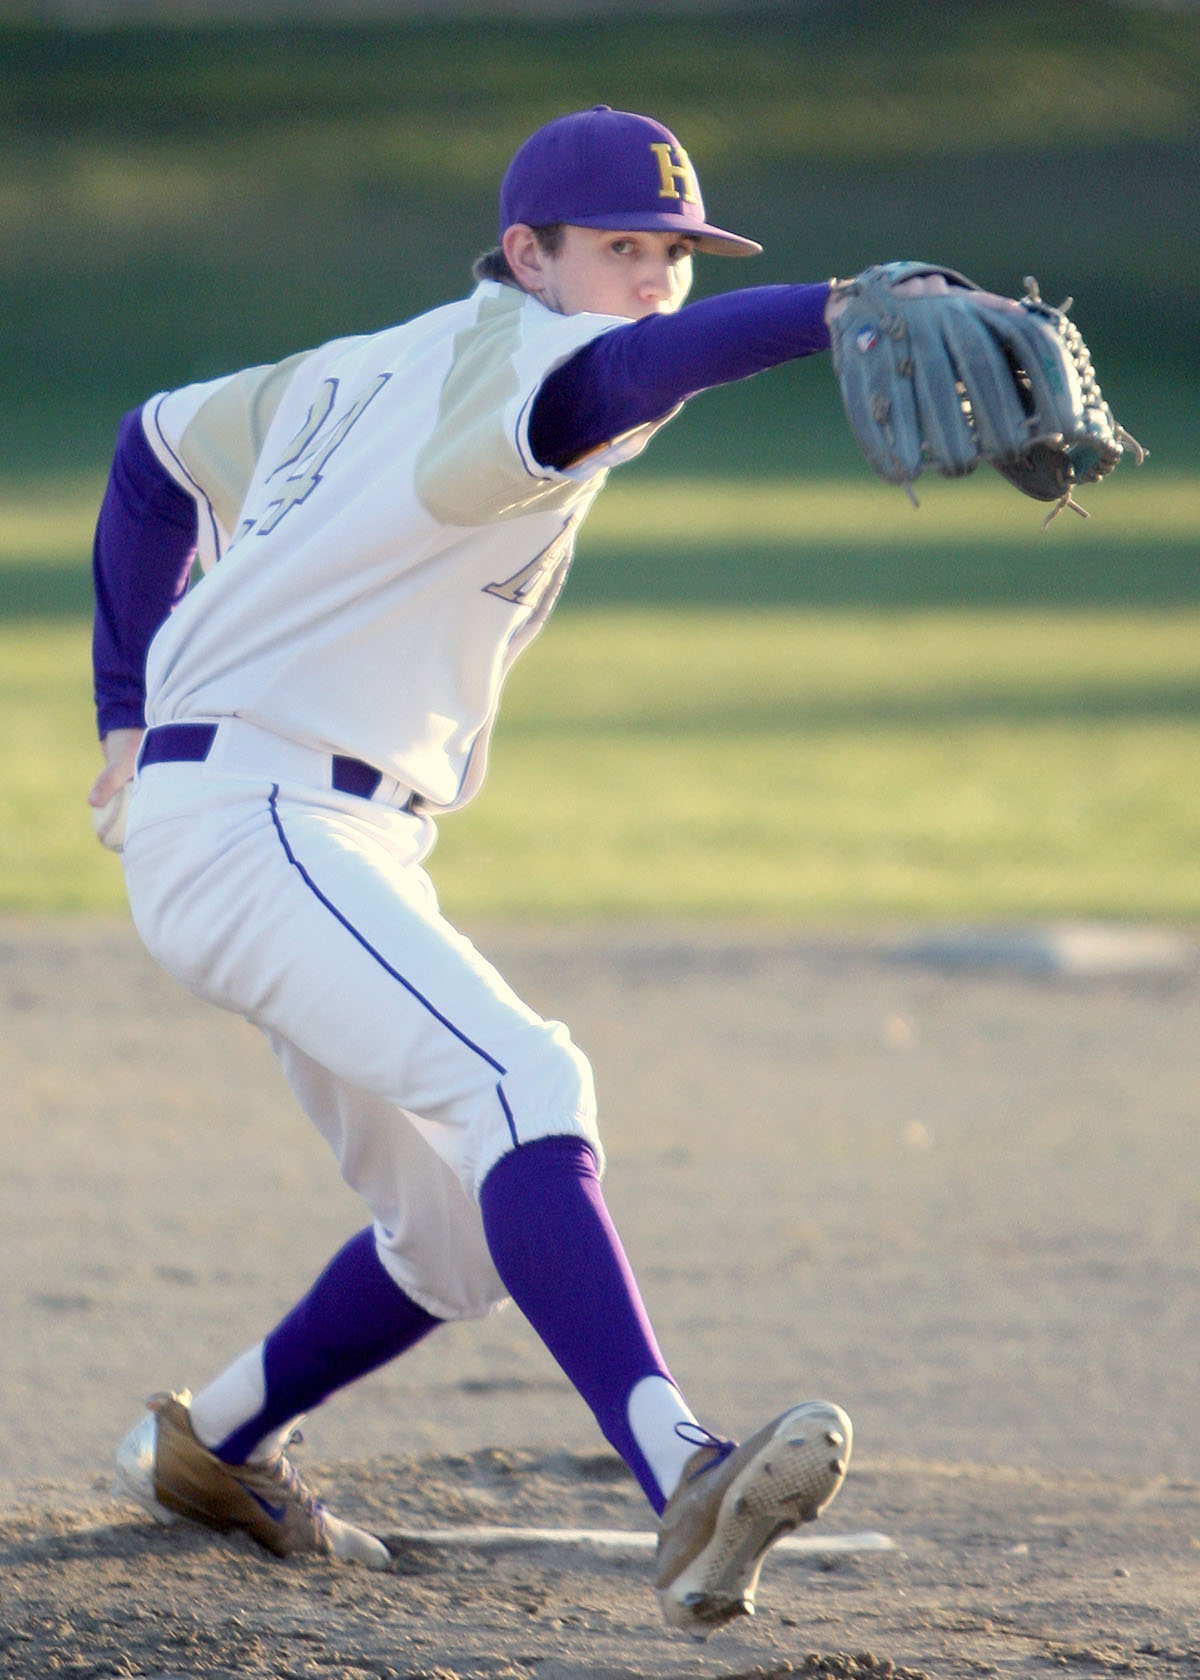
(949, 707)
(897, 577)
(43, 589)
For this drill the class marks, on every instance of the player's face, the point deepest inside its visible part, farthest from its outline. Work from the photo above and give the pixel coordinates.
(606, 273)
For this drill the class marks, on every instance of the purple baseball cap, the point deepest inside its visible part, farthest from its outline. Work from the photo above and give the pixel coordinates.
(611, 169)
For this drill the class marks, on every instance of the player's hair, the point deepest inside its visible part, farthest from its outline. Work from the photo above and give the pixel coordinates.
(493, 264)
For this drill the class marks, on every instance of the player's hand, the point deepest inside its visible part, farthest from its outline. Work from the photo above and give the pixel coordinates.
(920, 285)
(120, 747)
(109, 793)
(937, 285)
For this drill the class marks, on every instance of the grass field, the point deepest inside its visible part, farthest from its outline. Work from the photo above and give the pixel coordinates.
(797, 760)
(176, 203)
(773, 688)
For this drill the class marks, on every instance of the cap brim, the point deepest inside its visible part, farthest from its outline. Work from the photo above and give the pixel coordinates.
(715, 241)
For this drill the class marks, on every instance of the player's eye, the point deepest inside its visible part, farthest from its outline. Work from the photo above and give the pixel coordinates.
(621, 247)
(680, 249)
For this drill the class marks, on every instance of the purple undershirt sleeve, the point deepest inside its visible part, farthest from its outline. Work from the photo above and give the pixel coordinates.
(638, 373)
(141, 561)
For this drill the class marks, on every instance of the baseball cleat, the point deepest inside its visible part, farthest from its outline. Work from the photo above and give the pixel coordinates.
(162, 1465)
(733, 1503)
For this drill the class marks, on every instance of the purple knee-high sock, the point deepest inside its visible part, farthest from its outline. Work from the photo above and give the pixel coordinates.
(559, 1255)
(353, 1319)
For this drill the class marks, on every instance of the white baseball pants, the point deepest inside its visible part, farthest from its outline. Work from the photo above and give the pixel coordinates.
(309, 912)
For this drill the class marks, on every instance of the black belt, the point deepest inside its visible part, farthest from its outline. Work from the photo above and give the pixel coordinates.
(191, 743)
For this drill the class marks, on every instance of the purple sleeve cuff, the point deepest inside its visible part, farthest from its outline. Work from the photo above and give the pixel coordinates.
(638, 373)
(141, 561)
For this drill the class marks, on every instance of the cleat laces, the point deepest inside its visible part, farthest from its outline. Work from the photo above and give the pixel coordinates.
(293, 1485)
(696, 1435)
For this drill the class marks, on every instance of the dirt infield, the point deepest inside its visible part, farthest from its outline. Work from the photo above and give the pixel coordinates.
(953, 1183)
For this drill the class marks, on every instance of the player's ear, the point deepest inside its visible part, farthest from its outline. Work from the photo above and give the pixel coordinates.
(525, 256)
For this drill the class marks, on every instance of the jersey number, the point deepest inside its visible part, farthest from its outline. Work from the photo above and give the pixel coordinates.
(314, 443)
(526, 587)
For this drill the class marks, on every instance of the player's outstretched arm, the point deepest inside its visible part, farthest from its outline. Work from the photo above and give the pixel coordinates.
(638, 373)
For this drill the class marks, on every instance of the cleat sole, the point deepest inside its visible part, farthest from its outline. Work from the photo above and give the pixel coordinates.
(787, 1483)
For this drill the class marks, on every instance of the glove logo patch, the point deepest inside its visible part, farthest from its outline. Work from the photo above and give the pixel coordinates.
(866, 338)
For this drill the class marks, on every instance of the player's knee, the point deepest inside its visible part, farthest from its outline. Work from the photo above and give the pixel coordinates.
(547, 1090)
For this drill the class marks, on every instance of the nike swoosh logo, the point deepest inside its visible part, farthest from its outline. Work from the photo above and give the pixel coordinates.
(276, 1512)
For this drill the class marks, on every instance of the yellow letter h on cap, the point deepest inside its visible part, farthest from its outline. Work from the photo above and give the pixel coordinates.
(678, 179)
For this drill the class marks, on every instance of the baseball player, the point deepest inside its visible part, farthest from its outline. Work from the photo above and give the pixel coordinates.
(383, 524)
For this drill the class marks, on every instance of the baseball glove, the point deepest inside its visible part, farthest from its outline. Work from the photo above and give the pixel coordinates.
(936, 372)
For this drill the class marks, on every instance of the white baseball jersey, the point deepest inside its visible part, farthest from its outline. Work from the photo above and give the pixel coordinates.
(378, 542)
